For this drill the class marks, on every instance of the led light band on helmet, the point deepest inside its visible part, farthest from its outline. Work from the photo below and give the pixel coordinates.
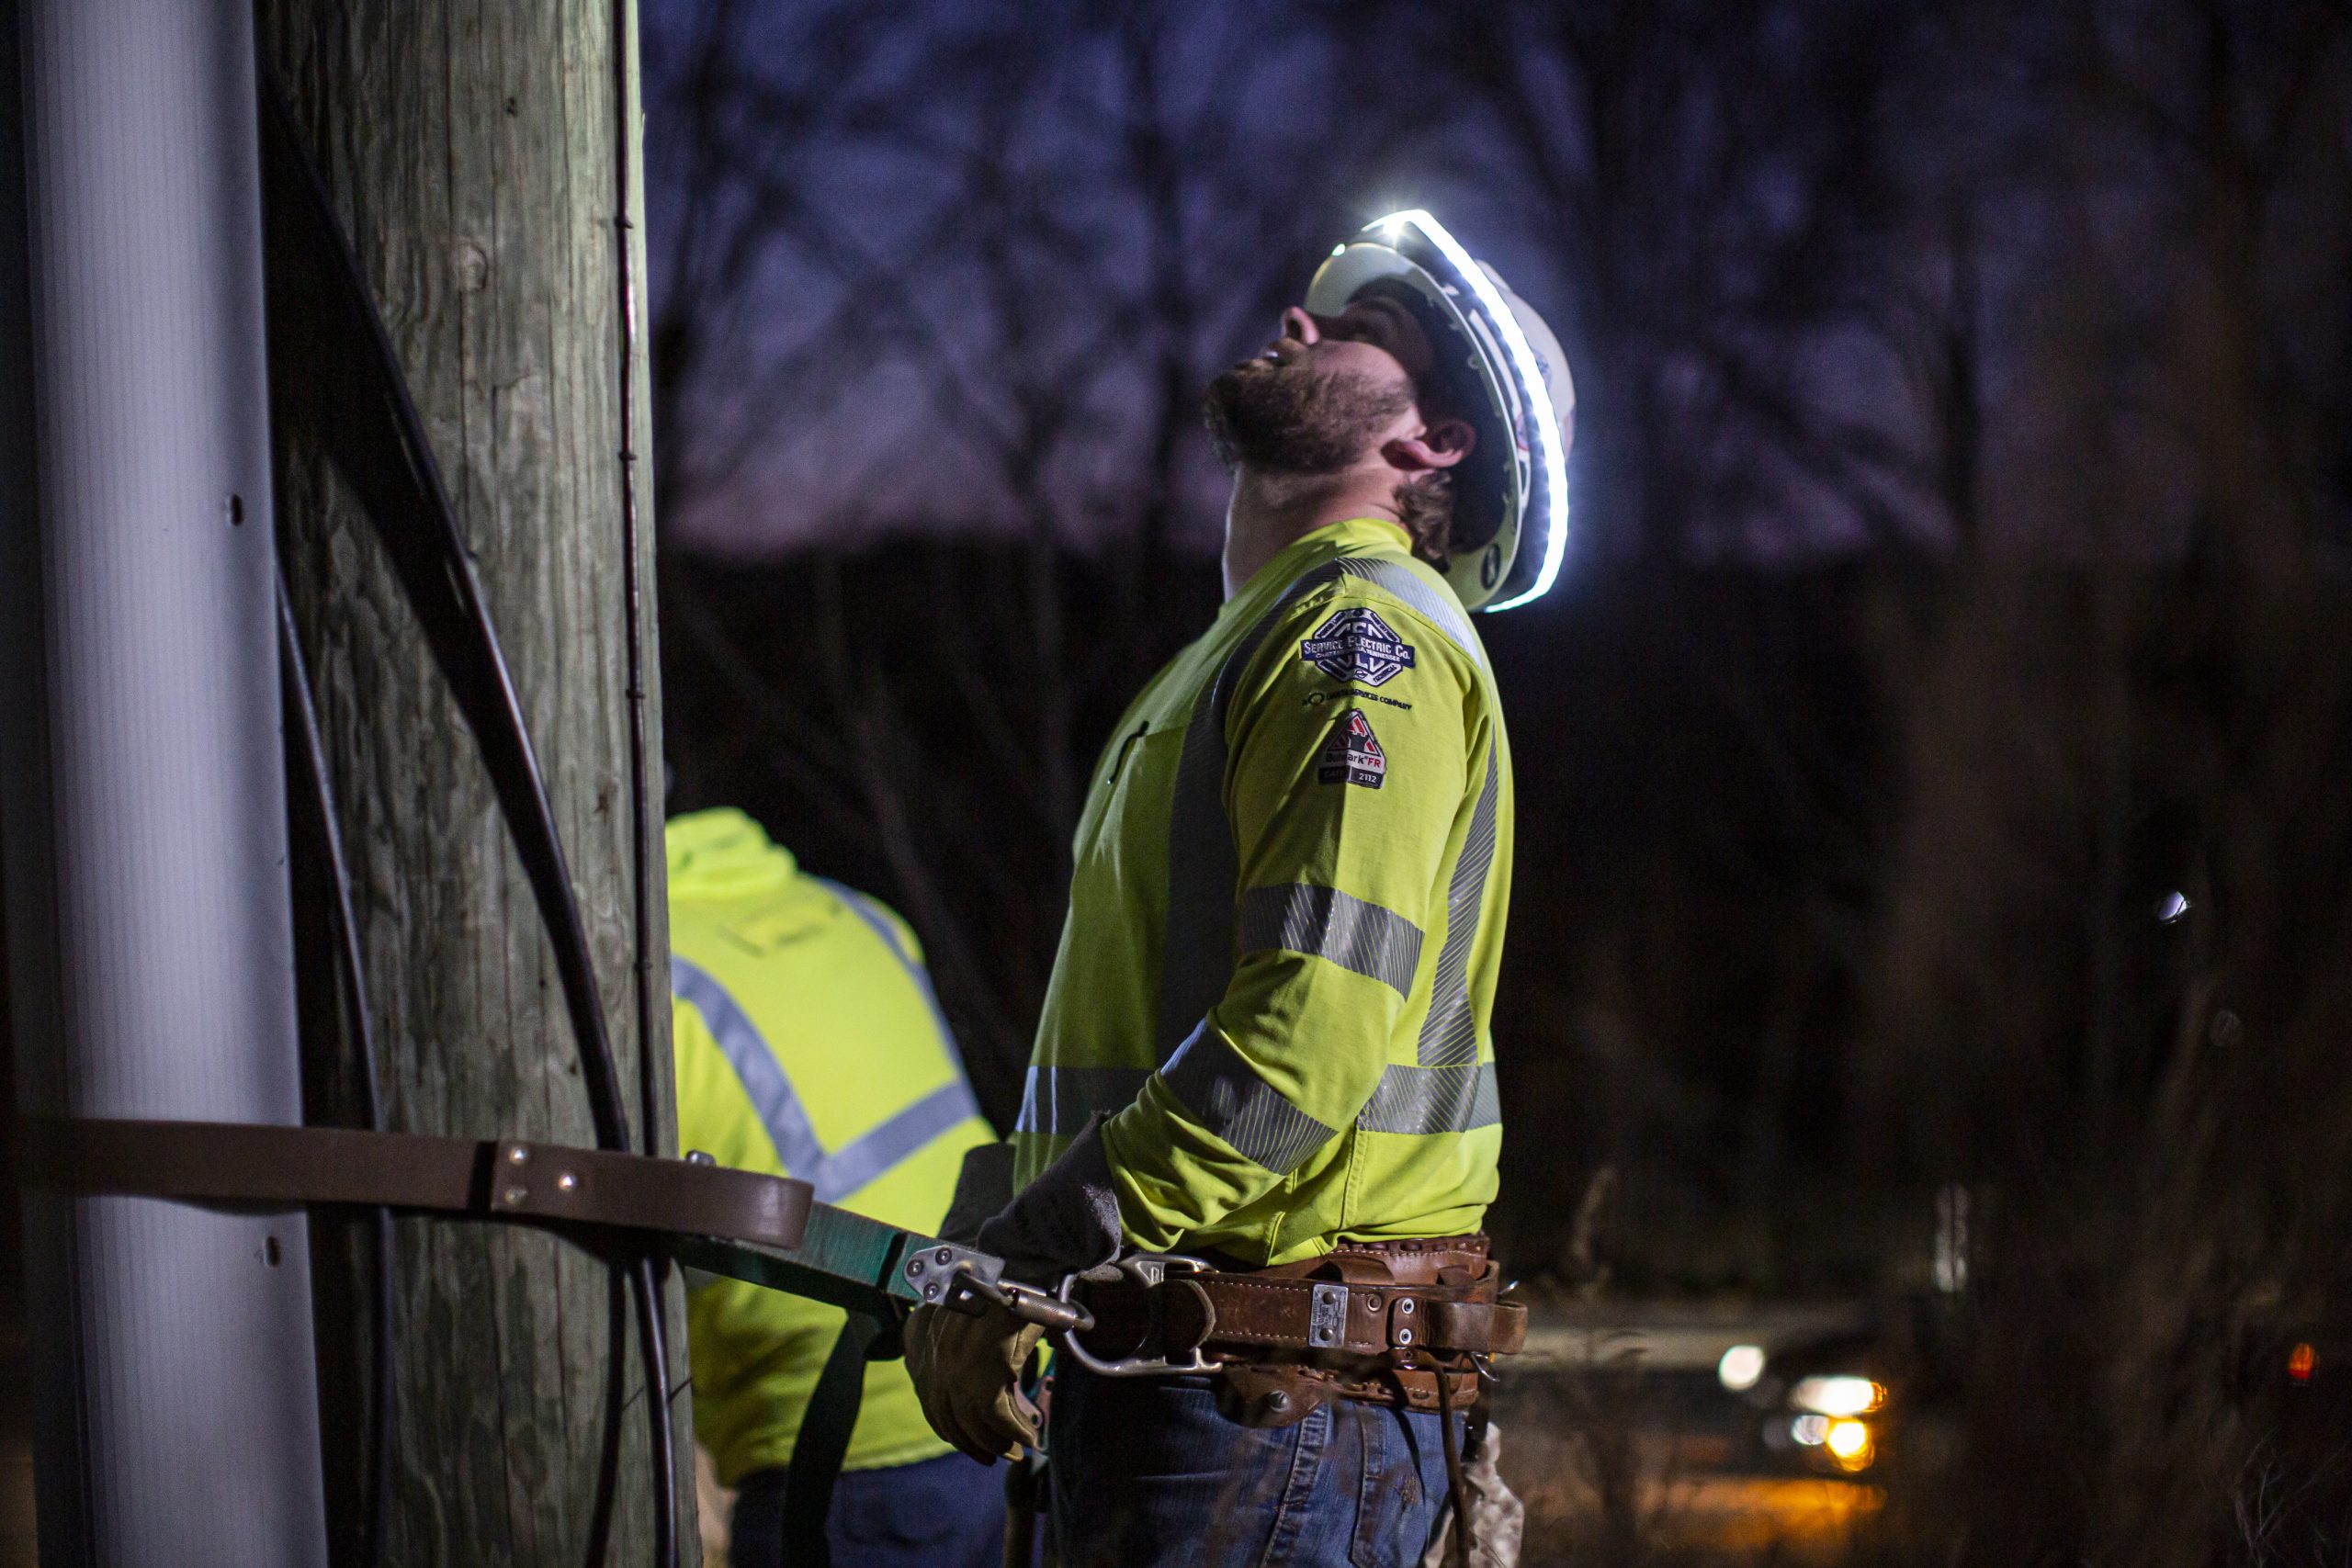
(1540, 410)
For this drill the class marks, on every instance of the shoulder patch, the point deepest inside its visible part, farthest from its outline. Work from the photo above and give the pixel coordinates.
(1353, 754)
(1357, 645)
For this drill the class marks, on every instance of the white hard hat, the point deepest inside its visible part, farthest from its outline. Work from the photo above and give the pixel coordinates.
(1510, 521)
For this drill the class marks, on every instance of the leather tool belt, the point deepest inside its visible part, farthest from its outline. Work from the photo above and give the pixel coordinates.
(1380, 1321)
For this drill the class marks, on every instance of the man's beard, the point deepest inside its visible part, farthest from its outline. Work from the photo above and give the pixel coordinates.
(1281, 419)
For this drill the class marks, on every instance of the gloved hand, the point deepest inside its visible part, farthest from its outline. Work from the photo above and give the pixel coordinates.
(967, 1371)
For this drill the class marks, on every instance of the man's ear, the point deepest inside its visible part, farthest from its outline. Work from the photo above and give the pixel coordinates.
(1441, 445)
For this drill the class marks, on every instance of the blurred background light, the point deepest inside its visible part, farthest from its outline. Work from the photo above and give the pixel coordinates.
(1740, 1367)
(1849, 1443)
(1838, 1396)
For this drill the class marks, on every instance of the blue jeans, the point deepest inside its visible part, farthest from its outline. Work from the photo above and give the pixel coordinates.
(1149, 1473)
(942, 1513)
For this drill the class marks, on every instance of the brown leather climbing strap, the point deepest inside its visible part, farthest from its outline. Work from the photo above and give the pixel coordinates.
(490, 1178)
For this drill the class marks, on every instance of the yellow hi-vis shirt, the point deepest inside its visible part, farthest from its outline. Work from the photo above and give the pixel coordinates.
(808, 1044)
(1285, 916)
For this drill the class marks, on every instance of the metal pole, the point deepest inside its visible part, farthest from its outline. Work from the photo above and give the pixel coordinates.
(144, 831)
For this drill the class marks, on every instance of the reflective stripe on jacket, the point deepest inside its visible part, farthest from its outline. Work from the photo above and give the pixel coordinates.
(808, 1045)
(1286, 913)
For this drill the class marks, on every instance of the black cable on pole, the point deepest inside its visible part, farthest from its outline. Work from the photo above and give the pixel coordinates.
(648, 1281)
(301, 705)
(359, 406)
(633, 596)
(331, 362)
(645, 1281)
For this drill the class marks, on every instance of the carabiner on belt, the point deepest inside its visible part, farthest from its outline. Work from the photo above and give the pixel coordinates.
(1150, 1270)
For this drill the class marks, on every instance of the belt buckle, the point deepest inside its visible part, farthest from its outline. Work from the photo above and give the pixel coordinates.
(1150, 1270)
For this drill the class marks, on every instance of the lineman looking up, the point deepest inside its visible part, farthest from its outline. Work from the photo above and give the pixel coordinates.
(808, 1045)
(1265, 1042)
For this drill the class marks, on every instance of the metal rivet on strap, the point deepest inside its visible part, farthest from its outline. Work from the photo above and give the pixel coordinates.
(1372, 1302)
(1406, 1306)
(1404, 1336)
(515, 1195)
(567, 1181)
(517, 1155)
(1327, 1315)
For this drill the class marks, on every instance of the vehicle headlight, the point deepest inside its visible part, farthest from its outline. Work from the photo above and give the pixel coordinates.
(1850, 1444)
(1837, 1397)
(1741, 1366)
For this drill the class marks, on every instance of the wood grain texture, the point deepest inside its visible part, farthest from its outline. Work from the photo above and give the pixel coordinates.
(470, 146)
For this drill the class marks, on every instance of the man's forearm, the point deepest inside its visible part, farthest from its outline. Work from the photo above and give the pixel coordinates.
(1065, 1221)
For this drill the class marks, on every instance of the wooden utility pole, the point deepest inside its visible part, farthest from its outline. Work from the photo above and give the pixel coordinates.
(479, 151)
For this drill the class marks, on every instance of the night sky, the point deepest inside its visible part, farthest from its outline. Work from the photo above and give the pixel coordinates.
(966, 272)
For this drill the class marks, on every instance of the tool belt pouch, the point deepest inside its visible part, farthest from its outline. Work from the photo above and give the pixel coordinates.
(1380, 1322)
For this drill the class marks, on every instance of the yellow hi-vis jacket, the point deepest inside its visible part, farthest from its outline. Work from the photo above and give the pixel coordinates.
(1285, 916)
(808, 1044)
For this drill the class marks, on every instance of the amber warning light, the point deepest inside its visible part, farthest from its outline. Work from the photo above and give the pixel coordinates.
(2300, 1361)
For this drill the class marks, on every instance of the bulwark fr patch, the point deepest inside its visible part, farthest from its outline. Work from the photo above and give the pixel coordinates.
(1356, 645)
(1353, 754)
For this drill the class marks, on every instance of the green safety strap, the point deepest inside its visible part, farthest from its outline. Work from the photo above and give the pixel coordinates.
(824, 1443)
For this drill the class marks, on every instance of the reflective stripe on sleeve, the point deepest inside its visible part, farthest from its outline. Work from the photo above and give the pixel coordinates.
(1323, 922)
(1059, 1101)
(1406, 584)
(1433, 1099)
(1230, 1099)
(1450, 1033)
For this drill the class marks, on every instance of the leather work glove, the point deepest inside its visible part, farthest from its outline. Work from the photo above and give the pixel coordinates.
(967, 1371)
